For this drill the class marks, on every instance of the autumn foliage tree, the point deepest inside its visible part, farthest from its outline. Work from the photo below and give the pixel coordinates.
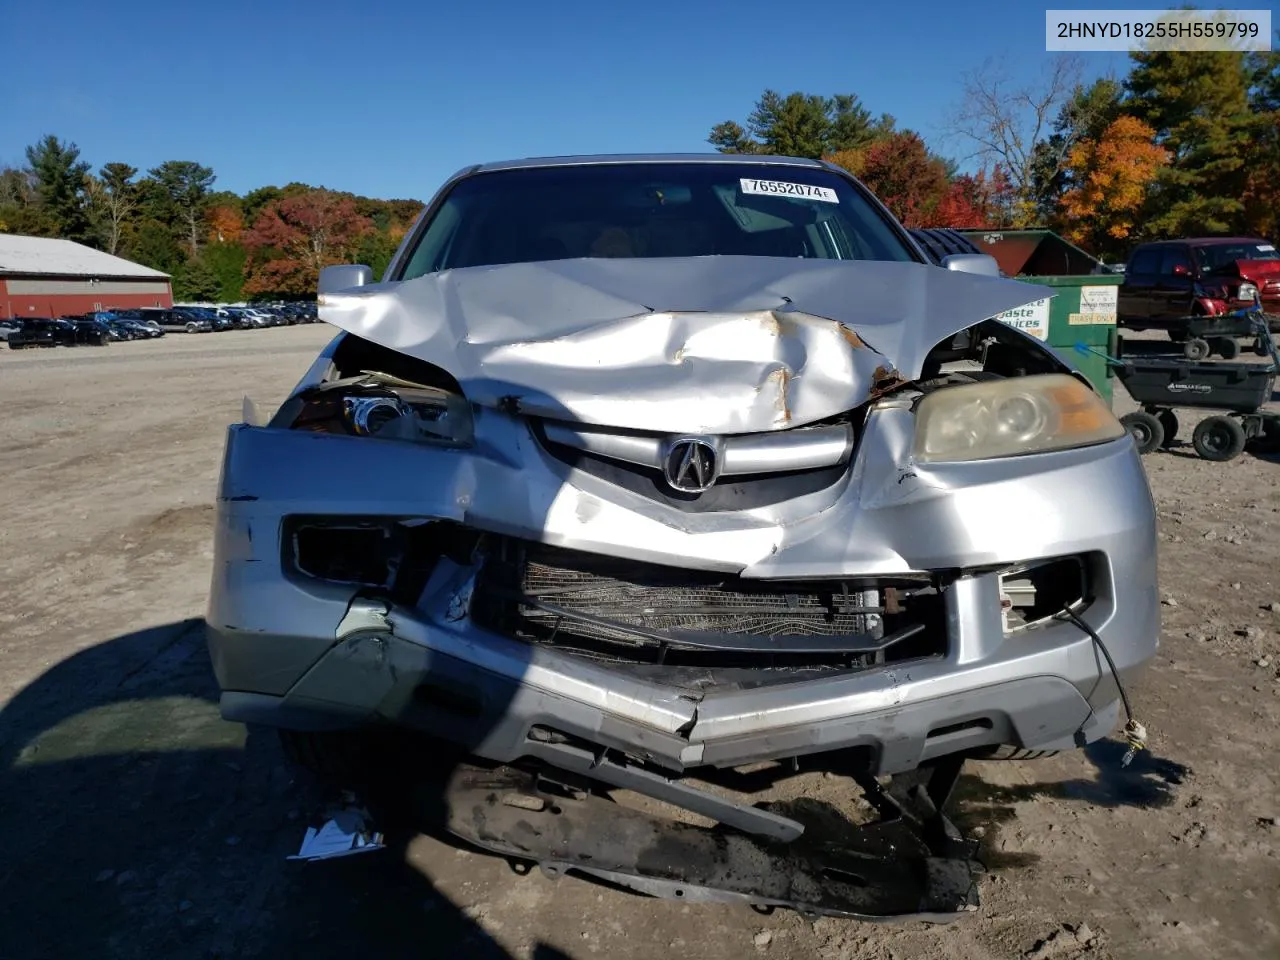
(295, 236)
(976, 201)
(225, 224)
(1110, 177)
(900, 170)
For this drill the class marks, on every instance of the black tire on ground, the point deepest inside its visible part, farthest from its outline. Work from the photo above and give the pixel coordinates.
(1219, 438)
(1226, 347)
(193, 328)
(1268, 438)
(1146, 430)
(338, 754)
(1196, 349)
(1169, 423)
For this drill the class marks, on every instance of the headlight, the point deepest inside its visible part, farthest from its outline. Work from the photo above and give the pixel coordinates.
(370, 408)
(1247, 291)
(1007, 418)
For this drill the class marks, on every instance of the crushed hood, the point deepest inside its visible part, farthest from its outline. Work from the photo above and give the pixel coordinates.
(707, 345)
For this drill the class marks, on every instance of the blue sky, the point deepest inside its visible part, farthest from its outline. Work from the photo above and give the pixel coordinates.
(386, 97)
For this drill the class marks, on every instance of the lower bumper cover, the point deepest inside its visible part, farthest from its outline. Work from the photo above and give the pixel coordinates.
(910, 864)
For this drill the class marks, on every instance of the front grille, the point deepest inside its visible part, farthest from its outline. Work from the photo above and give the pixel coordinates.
(746, 492)
(619, 609)
(685, 604)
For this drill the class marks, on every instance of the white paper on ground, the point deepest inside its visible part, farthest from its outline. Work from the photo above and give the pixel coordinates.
(338, 839)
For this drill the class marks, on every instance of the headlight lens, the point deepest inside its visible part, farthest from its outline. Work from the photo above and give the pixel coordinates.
(420, 414)
(1007, 418)
(1247, 291)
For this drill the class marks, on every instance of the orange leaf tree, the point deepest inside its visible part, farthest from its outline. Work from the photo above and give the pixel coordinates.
(975, 200)
(225, 224)
(1110, 177)
(899, 169)
(294, 236)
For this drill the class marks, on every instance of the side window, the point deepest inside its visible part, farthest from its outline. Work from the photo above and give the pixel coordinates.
(1145, 262)
(1175, 262)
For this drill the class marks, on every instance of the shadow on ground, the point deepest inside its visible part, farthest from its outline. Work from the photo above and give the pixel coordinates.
(138, 824)
(1148, 781)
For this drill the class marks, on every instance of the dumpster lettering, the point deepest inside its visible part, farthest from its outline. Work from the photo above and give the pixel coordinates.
(1033, 318)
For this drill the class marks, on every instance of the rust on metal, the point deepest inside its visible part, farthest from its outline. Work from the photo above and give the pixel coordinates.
(885, 380)
(850, 337)
(780, 379)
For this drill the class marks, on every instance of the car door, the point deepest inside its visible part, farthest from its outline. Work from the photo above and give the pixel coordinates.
(1175, 291)
(1141, 274)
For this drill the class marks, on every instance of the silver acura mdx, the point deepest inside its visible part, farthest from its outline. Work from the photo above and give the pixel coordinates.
(636, 471)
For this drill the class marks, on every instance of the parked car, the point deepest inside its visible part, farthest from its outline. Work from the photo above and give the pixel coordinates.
(134, 317)
(216, 323)
(740, 479)
(91, 332)
(1169, 280)
(261, 317)
(8, 326)
(101, 321)
(135, 330)
(171, 321)
(39, 332)
(242, 318)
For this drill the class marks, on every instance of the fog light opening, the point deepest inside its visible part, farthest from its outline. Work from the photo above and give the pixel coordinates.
(343, 554)
(1032, 594)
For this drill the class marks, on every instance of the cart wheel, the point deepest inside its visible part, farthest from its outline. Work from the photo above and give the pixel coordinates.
(1260, 348)
(1219, 438)
(1195, 349)
(1226, 347)
(1169, 423)
(1146, 430)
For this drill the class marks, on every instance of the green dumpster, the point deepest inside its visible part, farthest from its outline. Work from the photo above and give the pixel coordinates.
(1082, 310)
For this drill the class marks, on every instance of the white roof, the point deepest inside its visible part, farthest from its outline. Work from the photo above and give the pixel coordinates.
(42, 255)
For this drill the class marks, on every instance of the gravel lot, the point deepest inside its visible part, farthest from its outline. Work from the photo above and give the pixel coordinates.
(135, 823)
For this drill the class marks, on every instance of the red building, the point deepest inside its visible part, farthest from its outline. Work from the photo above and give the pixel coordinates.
(40, 277)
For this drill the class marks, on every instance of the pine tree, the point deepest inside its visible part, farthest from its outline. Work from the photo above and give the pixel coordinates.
(1198, 105)
(60, 181)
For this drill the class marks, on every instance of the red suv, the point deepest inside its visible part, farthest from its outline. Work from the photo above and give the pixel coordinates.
(1171, 279)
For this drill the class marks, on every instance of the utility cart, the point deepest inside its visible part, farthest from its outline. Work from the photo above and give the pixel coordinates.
(1238, 389)
(1200, 337)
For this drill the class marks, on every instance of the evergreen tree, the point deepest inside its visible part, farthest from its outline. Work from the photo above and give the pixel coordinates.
(1198, 105)
(60, 187)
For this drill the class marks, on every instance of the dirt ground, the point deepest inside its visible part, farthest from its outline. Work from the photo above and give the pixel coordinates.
(135, 823)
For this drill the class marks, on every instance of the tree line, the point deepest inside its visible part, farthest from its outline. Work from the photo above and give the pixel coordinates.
(1185, 143)
(217, 245)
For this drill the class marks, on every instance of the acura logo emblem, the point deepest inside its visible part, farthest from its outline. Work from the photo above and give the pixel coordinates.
(691, 465)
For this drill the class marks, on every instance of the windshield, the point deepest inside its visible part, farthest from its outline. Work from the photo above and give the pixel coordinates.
(653, 210)
(1220, 255)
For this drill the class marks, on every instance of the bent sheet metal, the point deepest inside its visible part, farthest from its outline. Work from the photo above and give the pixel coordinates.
(697, 344)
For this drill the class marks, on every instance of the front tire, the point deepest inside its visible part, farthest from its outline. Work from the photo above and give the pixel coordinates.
(1146, 430)
(330, 754)
(1196, 349)
(1219, 438)
(1226, 347)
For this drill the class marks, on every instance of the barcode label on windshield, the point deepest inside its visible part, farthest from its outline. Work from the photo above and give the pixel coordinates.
(779, 188)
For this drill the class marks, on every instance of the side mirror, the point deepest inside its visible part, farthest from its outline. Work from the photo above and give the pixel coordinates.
(979, 263)
(344, 276)
(1181, 270)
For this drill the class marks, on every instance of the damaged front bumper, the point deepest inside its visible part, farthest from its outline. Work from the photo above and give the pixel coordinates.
(301, 648)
